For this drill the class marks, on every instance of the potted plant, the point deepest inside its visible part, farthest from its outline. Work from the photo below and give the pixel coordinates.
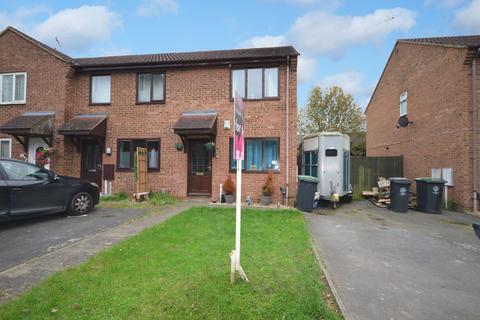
(210, 146)
(42, 157)
(267, 190)
(229, 190)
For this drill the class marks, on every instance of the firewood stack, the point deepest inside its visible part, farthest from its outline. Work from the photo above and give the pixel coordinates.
(381, 196)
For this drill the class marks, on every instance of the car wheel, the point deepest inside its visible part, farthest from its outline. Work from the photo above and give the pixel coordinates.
(81, 203)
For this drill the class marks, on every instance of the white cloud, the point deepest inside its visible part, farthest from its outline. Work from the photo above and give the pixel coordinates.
(78, 29)
(152, 8)
(263, 41)
(444, 3)
(307, 68)
(468, 17)
(323, 32)
(350, 81)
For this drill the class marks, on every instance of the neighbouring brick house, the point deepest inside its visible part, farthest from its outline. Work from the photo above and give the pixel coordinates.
(429, 81)
(95, 111)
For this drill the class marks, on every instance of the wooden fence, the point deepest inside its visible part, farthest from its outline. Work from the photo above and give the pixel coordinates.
(365, 171)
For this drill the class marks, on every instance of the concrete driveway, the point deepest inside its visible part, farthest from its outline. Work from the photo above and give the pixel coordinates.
(23, 240)
(387, 265)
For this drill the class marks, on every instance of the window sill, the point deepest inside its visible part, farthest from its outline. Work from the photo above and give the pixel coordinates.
(149, 103)
(13, 103)
(106, 104)
(131, 170)
(256, 171)
(261, 99)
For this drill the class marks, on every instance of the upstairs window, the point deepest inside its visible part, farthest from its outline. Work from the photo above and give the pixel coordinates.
(255, 83)
(101, 89)
(13, 88)
(151, 88)
(403, 104)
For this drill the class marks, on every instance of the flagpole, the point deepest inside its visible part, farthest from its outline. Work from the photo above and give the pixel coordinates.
(238, 215)
(238, 155)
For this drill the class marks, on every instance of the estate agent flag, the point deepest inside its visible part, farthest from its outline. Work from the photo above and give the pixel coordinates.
(238, 147)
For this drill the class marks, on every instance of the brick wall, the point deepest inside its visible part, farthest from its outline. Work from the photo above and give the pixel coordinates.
(439, 104)
(186, 90)
(47, 81)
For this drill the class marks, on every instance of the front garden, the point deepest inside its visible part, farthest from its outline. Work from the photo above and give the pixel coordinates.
(180, 269)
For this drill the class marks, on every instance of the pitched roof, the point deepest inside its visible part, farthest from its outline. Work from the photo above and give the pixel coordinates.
(165, 58)
(43, 46)
(189, 57)
(456, 41)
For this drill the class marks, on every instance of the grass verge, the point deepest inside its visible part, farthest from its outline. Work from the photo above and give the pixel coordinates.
(122, 200)
(180, 269)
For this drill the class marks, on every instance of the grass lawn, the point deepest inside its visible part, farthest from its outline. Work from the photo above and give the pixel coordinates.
(180, 269)
(122, 200)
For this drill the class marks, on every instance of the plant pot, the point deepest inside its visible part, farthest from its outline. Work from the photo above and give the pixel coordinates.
(265, 200)
(229, 198)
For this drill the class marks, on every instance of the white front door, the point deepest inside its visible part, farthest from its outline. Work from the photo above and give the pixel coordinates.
(34, 145)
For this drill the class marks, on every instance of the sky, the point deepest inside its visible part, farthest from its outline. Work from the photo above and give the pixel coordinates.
(344, 43)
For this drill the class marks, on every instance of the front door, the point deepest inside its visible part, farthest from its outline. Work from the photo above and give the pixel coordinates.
(36, 145)
(199, 168)
(91, 161)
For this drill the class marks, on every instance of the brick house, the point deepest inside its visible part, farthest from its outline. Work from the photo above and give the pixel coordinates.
(429, 82)
(94, 112)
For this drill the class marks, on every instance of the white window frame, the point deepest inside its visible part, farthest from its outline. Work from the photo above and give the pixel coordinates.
(404, 99)
(9, 144)
(13, 88)
(92, 90)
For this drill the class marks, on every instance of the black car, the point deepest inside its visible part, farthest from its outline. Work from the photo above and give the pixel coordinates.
(27, 190)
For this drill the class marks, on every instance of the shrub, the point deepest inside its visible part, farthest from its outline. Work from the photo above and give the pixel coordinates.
(229, 186)
(267, 188)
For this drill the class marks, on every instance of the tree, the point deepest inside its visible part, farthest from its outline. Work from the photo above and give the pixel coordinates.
(330, 110)
(333, 110)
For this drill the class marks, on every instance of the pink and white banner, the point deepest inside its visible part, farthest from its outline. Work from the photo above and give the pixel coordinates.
(238, 141)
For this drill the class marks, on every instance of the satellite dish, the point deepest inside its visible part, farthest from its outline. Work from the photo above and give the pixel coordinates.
(403, 121)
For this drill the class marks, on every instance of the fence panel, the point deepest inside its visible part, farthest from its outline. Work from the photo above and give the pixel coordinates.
(366, 170)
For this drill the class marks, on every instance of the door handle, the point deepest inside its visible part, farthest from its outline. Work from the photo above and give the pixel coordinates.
(17, 189)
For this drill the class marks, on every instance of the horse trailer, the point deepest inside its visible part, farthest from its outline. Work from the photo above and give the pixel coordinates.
(326, 156)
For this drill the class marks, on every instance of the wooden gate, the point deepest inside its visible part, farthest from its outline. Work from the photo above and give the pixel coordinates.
(365, 171)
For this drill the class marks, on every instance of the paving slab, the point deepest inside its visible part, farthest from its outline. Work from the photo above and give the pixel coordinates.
(387, 265)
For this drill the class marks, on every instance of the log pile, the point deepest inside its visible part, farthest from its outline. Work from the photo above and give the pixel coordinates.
(380, 196)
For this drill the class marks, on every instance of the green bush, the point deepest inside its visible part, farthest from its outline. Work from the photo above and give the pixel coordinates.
(116, 197)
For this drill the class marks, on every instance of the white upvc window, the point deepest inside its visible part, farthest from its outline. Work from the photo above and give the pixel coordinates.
(101, 89)
(403, 104)
(13, 88)
(5, 148)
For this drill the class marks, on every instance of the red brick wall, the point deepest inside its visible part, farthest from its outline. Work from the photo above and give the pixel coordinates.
(186, 90)
(47, 81)
(439, 104)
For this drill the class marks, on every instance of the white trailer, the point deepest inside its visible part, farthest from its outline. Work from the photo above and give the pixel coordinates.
(326, 155)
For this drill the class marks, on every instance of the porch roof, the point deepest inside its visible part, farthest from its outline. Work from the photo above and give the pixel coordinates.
(30, 124)
(196, 123)
(85, 125)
